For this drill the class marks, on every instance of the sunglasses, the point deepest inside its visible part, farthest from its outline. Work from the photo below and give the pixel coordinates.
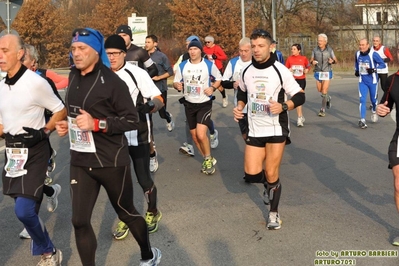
(260, 33)
(207, 42)
(81, 32)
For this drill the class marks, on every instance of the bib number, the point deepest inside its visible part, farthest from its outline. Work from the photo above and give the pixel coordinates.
(324, 75)
(16, 160)
(80, 140)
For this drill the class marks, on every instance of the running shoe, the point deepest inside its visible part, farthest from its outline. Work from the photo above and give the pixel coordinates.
(121, 231)
(300, 121)
(154, 163)
(48, 180)
(273, 222)
(24, 234)
(52, 202)
(362, 123)
(156, 259)
(51, 260)
(266, 199)
(328, 104)
(152, 221)
(322, 112)
(395, 241)
(374, 117)
(214, 139)
(51, 162)
(225, 101)
(208, 167)
(187, 149)
(171, 125)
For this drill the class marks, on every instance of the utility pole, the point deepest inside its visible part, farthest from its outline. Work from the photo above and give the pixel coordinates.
(243, 18)
(274, 18)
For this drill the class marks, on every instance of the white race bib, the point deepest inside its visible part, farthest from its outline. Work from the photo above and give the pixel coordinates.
(80, 140)
(324, 75)
(297, 70)
(194, 90)
(16, 160)
(260, 104)
(363, 68)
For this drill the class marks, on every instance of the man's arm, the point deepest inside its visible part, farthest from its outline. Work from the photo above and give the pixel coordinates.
(57, 116)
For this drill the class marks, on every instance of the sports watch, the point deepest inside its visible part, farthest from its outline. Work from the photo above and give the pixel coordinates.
(284, 106)
(102, 124)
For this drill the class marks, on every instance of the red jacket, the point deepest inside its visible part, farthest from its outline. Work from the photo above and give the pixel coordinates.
(220, 55)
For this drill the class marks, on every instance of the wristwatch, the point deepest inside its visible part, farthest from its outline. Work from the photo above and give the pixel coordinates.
(102, 124)
(284, 106)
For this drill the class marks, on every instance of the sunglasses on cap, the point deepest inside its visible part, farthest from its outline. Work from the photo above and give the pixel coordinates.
(260, 33)
(81, 32)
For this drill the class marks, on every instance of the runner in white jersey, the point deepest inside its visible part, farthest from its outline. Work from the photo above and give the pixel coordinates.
(386, 55)
(264, 86)
(231, 77)
(144, 94)
(193, 77)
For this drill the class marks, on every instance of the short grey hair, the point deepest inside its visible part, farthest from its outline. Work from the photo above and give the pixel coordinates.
(31, 50)
(323, 35)
(244, 41)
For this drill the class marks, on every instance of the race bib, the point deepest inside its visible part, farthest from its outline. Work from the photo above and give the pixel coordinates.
(80, 140)
(363, 68)
(297, 70)
(16, 160)
(136, 63)
(324, 75)
(260, 104)
(194, 90)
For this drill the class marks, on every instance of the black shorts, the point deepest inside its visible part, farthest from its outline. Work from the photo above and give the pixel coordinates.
(392, 151)
(243, 124)
(198, 113)
(302, 83)
(261, 141)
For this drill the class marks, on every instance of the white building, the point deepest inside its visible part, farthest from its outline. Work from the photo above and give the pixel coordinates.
(377, 12)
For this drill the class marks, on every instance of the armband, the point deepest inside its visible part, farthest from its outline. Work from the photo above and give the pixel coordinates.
(242, 96)
(298, 99)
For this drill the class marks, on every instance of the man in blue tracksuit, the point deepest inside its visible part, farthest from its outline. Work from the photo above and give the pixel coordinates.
(366, 65)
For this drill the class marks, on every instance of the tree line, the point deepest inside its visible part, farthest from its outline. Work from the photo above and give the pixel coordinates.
(48, 24)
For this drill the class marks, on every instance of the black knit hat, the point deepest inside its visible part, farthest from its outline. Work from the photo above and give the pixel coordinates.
(125, 29)
(115, 41)
(195, 43)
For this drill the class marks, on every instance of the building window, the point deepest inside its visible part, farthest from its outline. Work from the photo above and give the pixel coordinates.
(383, 19)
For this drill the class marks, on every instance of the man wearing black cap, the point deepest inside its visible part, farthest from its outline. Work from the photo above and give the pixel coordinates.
(278, 54)
(100, 111)
(147, 97)
(136, 55)
(261, 89)
(193, 77)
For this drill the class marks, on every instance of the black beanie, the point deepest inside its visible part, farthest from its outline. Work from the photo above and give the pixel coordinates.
(125, 29)
(115, 41)
(195, 43)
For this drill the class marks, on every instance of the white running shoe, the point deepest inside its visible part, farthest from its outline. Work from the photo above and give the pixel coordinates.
(214, 139)
(51, 260)
(225, 101)
(154, 163)
(187, 149)
(51, 162)
(300, 121)
(170, 126)
(24, 234)
(273, 222)
(374, 117)
(52, 202)
(157, 255)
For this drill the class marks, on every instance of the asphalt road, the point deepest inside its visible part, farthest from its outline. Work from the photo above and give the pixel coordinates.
(337, 195)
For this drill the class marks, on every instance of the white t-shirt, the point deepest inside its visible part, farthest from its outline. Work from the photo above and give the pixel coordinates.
(261, 85)
(23, 104)
(196, 79)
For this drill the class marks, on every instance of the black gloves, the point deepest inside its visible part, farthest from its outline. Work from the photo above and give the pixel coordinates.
(371, 70)
(34, 136)
(357, 73)
(214, 56)
(386, 60)
(147, 107)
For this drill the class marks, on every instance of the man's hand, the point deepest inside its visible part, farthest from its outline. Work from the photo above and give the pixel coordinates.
(85, 121)
(34, 136)
(237, 112)
(383, 109)
(208, 91)
(146, 108)
(357, 73)
(178, 86)
(275, 107)
(371, 70)
(61, 127)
